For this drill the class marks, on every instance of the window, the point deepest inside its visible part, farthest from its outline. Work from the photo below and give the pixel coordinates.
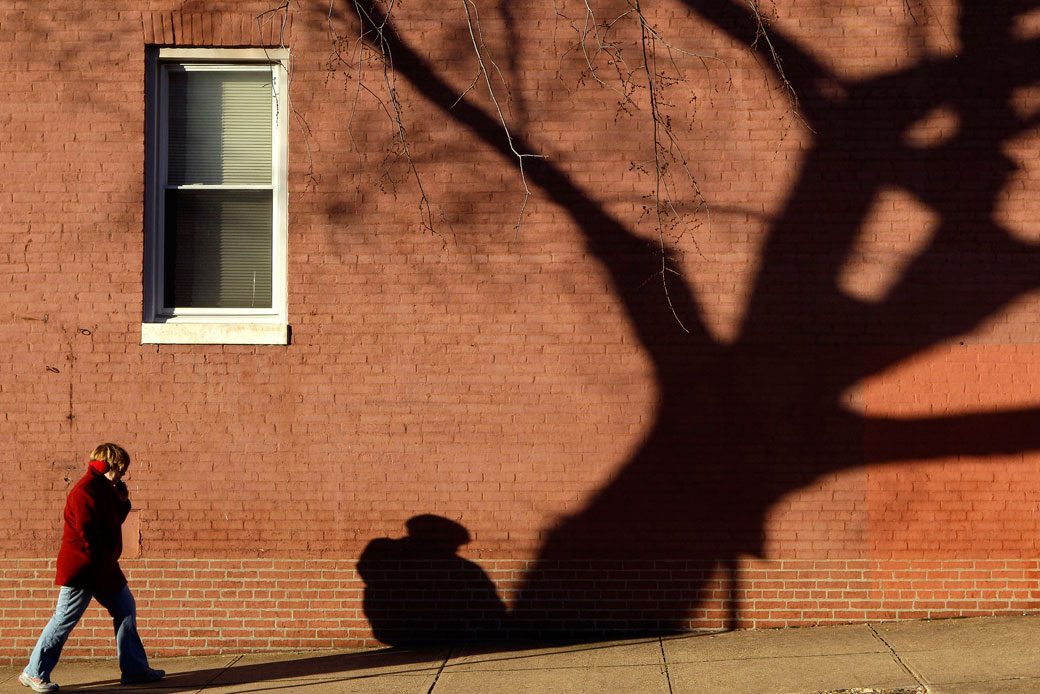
(215, 265)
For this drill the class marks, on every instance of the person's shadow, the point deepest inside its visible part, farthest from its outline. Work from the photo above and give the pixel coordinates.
(418, 591)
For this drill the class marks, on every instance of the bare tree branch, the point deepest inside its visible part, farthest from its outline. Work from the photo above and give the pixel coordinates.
(605, 235)
(480, 49)
(305, 130)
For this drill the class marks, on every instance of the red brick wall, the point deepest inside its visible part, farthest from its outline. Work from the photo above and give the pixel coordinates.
(196, 606)
(865, 266)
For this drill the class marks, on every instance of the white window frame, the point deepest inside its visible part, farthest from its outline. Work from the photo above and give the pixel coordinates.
(213, 326)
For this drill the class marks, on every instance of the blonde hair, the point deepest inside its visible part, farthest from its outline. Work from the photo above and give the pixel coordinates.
(113, 454)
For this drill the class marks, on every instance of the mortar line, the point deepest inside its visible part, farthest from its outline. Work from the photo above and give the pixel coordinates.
(899, 659)
(440, 670)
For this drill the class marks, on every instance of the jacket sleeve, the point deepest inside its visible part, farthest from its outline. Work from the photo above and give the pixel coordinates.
(122, 506)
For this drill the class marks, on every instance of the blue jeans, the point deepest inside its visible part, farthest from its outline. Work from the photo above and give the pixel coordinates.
(72, 603)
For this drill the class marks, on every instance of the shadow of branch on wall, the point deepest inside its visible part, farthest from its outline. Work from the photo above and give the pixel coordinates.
(740, 425)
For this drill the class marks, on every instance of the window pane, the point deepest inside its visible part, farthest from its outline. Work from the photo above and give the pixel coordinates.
(219, 127)
(218, 246)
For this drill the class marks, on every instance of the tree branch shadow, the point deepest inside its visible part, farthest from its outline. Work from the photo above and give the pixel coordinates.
(739, 426)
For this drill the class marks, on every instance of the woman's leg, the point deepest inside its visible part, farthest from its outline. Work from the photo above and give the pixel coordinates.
(121, 606)
(72, 603)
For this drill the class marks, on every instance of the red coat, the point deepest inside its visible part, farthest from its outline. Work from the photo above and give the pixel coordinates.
(92, 542)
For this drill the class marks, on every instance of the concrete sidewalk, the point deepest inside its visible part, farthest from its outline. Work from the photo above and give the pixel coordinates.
(992, 655)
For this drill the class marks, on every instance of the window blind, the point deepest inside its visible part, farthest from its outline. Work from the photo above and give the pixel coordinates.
(218, 248)
(218, 220)
(219, 128)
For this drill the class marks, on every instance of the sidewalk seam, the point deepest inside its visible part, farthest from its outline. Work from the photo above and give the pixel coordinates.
(906, 666)
(437, 677)
(214, 677)
(664, 659)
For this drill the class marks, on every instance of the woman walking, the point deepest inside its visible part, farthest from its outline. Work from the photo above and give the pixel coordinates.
(88, 567)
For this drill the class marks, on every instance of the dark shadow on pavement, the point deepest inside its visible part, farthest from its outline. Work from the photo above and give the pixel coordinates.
(340, 667)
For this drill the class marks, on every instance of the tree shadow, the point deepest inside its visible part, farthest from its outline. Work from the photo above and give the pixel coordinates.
(740, 425)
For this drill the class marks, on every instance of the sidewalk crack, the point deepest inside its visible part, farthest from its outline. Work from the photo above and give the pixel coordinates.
(910, 670)
(440, 670)
(664, 659)
(230, 664)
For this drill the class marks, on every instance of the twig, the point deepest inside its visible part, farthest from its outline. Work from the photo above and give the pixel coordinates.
(479, 49)
(305, 129)
(390, 83)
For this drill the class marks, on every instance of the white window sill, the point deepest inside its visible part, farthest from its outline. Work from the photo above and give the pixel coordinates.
(214, 334)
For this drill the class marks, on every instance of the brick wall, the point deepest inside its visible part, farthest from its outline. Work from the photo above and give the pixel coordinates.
(833, 405)
(196, 607)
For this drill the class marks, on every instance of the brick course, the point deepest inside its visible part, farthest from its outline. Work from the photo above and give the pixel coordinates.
(195, 607)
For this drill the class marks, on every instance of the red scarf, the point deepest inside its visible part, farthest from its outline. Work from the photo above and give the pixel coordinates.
(99, 465)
